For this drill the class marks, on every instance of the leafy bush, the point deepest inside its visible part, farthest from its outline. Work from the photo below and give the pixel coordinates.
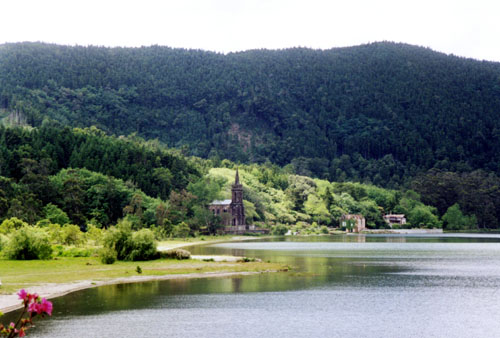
(11, 224)
(108, 255)
(161, 233)
(71, 234)
(94, 234)
(279, 230)
(62, 251)
(3, 241)
(119, 239)
(176, 254)
(55, 233)
(129, 246)
(143, 246)
(181, 230)
(28, 243)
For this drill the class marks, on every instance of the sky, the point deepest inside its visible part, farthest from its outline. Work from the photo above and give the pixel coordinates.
(465, 28)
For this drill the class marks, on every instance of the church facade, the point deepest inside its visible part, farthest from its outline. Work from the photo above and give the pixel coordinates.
(232, 212)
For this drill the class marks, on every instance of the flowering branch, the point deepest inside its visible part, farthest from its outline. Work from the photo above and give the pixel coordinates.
(32, 305)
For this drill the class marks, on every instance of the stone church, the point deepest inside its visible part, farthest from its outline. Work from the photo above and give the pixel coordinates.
(232, 212)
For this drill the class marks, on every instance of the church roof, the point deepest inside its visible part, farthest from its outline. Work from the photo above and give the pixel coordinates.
(224, 202)
(237, 178)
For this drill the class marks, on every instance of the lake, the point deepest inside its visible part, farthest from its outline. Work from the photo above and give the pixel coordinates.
(339, 286)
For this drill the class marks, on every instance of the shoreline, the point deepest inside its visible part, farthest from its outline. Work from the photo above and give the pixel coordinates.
(205, 242)
(10, 302)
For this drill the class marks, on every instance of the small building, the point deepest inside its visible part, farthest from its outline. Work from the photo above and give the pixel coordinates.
(220, 208)
(395, 219)
(353, 222)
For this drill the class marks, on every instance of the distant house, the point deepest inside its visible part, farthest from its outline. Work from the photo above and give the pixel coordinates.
(353, 223)
(395, 219)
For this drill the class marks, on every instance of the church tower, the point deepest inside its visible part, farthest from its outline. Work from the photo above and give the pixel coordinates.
(237, 208)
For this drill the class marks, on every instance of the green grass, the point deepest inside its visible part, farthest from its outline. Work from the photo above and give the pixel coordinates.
(16, 275)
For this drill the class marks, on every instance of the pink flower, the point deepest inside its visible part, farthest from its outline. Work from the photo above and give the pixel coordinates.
(32, 297)
(22, 294)
(43, 307)
(12, 325)
(34, 307)
(46, 306)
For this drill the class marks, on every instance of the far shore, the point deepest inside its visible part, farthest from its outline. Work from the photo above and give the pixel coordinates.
(10, 302)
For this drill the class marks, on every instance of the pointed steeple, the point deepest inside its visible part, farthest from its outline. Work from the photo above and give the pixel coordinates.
(237, 178)
(237, 209)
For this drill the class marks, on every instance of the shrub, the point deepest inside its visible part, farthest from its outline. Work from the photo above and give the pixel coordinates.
(54, 231)
(71, 234)
(143, 246)
(279, 230)
(28, 243)
(129, 246)
(3, 241)
(61, 251)
(181, 230)
(11, 224)
(107, 255)
(160, 232)
(119, 239)
(176, 254)
(94, 234)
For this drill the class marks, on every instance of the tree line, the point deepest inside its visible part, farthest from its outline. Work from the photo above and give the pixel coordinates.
(56, 175)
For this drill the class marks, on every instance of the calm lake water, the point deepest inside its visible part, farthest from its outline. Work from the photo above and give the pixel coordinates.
(342, 286)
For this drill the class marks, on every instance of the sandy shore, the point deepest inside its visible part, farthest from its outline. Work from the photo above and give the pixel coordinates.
(11, 302)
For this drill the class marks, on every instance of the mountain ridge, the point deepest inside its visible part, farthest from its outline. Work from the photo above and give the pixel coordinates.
(378, 113)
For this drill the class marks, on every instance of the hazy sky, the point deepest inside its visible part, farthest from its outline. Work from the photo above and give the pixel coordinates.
(467, 28)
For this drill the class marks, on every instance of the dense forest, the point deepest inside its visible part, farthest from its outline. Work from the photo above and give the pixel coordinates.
(86, 175)
(381, 113)
(60, 176)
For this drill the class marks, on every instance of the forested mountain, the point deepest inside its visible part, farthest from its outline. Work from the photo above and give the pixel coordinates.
(378, 113)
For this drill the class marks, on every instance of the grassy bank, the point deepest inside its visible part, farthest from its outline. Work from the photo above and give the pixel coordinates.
(16, 275)
(23, 274)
